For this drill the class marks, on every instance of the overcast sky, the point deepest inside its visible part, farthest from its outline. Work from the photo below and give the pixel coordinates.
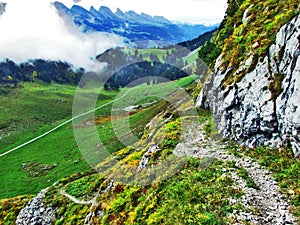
(32, 28)
(192, 11)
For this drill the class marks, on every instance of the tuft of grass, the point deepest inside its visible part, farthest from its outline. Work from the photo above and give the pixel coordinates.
(211, 128)
(192, 196)
(243, 173)
(10, 208)
(85, 186)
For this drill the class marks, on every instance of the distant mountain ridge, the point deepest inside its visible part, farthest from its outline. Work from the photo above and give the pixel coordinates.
(2, 8)
(135, 27)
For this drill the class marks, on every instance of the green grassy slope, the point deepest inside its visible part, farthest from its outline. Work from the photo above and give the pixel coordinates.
(192, 196)
(236, 39)
(24, 110)
(145, 53)
(23, 171)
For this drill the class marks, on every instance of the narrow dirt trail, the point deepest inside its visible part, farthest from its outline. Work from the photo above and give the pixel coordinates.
(271, 207)
(75, 200)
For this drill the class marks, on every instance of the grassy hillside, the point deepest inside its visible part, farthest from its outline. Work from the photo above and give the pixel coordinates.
(9, 208)
(201, 192)
(250, 27)
(196, 194)
(190, 197)
(145, 53)
(24, 110)
(39, 164)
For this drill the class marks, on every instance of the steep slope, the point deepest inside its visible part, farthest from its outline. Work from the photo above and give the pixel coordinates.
(254, 88)
(135, 27)
(211, 187)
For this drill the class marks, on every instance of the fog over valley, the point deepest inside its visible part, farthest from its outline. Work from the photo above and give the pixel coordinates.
(39, 32)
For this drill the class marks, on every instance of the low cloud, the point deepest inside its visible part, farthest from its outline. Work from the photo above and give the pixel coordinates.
(33, 29)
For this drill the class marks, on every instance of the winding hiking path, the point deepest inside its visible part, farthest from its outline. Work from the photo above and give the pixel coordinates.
(75, 200)
(60, 125)
(270, 205)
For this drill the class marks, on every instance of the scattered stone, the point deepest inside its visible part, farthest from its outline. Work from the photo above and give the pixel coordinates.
(36, 169)
(36, 213)
(145, 158)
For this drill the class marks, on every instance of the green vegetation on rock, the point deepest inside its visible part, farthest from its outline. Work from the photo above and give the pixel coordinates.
(249, 28)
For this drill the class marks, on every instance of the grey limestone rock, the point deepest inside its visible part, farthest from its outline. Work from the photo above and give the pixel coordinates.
(35, 212)
(247, 111)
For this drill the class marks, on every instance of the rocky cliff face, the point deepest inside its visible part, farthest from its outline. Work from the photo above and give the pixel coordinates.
(263, 107)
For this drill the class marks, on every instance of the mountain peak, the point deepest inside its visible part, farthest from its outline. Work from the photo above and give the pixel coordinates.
(2, 8)
(119, 10)
(106, 12)
(131, 25)
(119, 13)
(105, 9)
(131, 12)
(92, 9)
(78, 9)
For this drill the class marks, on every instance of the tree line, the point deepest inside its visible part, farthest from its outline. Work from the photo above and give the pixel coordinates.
(12, 73)
(125, 67)
(143, 72)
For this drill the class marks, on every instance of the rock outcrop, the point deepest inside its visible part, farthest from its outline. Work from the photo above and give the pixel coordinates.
(263, 107)
(35, 212)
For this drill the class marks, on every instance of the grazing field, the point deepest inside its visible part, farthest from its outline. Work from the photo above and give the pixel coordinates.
(25, 110)
(43, 162)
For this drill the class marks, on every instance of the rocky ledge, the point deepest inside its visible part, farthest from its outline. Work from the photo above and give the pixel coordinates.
(254, 111)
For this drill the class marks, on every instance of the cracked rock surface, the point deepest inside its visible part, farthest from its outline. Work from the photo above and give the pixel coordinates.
(248, 111)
